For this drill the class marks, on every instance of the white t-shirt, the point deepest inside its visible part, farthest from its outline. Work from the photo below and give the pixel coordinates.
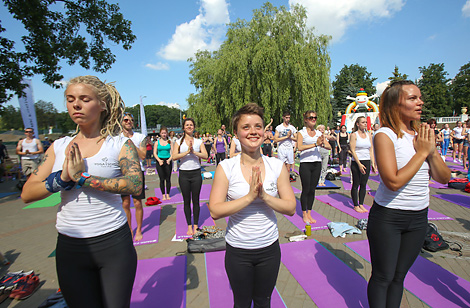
(255, 226)
(190, 161)
(362, 147)
(283, 131)
(86, 212)
(458, 132)
(137, 139)
(312, 154)
(414, 195)
(238, 146)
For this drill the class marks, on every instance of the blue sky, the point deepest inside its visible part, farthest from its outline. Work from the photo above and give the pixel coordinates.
(377, 34)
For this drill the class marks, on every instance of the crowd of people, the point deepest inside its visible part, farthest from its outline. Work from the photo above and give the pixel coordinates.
(100, 169)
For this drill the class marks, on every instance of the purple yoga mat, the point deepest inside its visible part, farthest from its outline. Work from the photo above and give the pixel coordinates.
(432, 215)
(175, 196)
(431, 283)
(298, 221)
(205, 192)
(456, 199)
(296, 190)
(437, 185)
(375, 178)
(346, 180)
(150, 225)
(327, 280)
(344, 204)
(205, 219)
(160, 282)
(220, 292)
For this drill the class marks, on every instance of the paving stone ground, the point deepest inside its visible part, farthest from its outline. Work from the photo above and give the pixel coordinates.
(28, 237)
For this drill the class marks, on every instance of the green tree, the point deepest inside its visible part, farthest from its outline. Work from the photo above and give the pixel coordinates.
(436, 93)
(10, 118)
(274, 60)
(397, 75)
(460, 88)
(349, 81)
(46, 114)
(156, 114)
(64, 122)
(74, 31)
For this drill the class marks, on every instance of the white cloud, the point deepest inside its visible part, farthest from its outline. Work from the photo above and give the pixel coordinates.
(171, 105)
(62, 83)
(333, 17)
(466, 9)
(204, 32)
(381, 86)
(158, 67)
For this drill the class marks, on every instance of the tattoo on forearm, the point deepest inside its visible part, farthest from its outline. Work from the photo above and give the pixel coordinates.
(35, 172)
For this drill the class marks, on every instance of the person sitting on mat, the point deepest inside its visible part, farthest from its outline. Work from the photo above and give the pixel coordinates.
(95, 258)
(245, 188)
(406, 156)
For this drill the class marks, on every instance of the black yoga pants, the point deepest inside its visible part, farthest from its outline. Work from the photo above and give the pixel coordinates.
(252, 274)
(359, 181)
(98, 271)
(190, 182)
(164, 173)
(343, 155)
(395, 240)
(219, 157)
(309, 175)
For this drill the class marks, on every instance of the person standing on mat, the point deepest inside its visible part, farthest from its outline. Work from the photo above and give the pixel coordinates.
(309, 142)
(362, 156)
(140, 142)
(406, 156)
(95, 258)
(343, 148)
(285, 137)
(245, 188)
(220, 147)
(190, 151)
(162, 153)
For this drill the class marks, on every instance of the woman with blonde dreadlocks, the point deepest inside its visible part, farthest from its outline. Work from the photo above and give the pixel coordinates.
(95, 257)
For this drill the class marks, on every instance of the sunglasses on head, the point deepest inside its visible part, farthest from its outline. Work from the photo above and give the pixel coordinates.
(311, 118)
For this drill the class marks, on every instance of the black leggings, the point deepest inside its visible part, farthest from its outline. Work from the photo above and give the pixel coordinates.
(309, 175)
(359, 180)
(343, 155)
(190, 182)
(164, 173)
(395, 240)
(267, 149)
(219, 157)
(252, 274)
(97, 271)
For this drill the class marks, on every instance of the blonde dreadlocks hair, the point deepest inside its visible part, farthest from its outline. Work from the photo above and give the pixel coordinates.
(112, 116)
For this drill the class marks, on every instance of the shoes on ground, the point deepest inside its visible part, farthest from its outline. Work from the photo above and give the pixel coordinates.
(25, 287)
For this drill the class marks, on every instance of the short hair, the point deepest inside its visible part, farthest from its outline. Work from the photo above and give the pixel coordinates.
(286, 113)
(389, 114)
(306, 113)
(431, 121)
(250, 108)
(163, 128)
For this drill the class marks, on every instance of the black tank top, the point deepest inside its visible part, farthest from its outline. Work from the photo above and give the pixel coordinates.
(343, 141)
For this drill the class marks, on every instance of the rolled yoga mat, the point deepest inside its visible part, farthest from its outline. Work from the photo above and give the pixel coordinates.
(326, 279)
(205, 219)
(150, 225)
(220, 292)
(431, 283)
(160, 282)
(298, 221)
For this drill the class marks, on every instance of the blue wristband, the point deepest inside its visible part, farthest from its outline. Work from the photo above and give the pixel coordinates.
(54, 183)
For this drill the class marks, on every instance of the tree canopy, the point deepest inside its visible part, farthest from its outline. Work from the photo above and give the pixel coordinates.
(348, 82)
(70, 30)
(460, 88)
(156, 114)
(274, 60)
(435, 91)
(397, 76)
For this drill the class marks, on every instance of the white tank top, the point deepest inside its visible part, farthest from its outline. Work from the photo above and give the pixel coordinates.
(238, 146)
(190, 161)
(86, 212)
(31, 147)
(255, 226)
(414, 195)
(362, 147)
(313, 154)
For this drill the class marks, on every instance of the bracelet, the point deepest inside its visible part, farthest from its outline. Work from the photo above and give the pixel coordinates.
(54, 183)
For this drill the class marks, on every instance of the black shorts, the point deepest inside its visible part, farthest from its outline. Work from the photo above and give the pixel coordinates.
(148, 154)
(458, 141)
(142, 194)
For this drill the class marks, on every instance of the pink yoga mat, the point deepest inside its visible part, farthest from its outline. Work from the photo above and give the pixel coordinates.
(175, 195)
(432, 215)
(220, 292)
(298, 221)
(347, 185)
(327, 280)
(458, 199)
(431, 283)
(150, 225)
(344, 204)
(160, 282)
(205, 219)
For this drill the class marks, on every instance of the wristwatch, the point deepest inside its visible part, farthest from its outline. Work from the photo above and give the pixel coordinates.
(85, 175)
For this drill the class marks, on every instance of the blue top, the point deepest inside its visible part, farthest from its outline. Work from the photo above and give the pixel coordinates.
(163, 151)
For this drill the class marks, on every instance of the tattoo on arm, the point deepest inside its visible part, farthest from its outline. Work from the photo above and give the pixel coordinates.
(35, 172)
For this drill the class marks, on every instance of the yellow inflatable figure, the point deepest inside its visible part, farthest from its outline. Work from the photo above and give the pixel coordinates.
(362, 100)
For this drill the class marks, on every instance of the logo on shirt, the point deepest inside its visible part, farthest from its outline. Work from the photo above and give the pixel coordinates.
(106, 164)
(272, 188)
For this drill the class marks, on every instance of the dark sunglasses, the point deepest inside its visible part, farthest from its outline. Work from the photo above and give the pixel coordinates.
(128, 120)
(29, 131)
(311, 118)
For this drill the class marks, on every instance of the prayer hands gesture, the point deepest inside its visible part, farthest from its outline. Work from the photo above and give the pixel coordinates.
(424, 141)
(256, 185)
(73, 165)
(190, 148)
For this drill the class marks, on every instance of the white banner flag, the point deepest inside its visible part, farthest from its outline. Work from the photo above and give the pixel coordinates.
(28, 113)
(143, 122)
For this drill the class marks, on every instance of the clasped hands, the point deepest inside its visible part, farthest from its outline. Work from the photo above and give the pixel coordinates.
(73, 165)
(425, 141)
(256, 185)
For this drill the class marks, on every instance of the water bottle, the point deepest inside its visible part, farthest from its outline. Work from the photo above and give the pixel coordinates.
(308, 229)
